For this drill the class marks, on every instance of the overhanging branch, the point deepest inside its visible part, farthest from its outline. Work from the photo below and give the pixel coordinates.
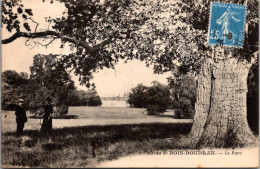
(56, 35)
(45, 34)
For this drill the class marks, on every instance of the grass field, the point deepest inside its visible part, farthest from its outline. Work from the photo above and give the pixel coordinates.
(90, 145)
(94, 136)
(85, 116)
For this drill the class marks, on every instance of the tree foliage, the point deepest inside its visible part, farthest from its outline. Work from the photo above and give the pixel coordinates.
(84, 98)
(101, 33)
(49, 79)
(183, 91)
(14, 87)
(156, 99)
(137, 96)
(94, 31)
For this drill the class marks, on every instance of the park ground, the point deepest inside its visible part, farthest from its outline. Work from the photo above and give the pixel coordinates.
(108, 137)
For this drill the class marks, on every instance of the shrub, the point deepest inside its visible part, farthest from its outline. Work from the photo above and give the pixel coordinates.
(94, 101)
(158, 99)
(155, 99)
(137, 96)
(60, 111)
(84, 98)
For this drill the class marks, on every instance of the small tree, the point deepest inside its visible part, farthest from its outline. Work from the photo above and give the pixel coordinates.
(49, 79)
(137, 96)
(93, 99)
(158, 98)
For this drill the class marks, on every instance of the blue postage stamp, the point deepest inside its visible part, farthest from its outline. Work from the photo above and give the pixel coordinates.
(227, 23)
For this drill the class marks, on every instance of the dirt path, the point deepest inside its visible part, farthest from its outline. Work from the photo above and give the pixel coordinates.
(236, 158)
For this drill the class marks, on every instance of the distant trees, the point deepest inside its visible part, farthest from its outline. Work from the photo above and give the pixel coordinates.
(155, 98)
(94, 99)
(180, 95)
(48, 78)
(84, 98)
(13, 87)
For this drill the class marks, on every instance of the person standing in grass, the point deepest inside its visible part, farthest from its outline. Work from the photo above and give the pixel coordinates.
(47, 117)
(20, 117)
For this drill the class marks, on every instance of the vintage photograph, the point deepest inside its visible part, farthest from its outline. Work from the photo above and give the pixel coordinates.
(129, 83)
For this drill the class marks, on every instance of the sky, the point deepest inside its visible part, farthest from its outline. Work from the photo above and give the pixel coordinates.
(16, 56)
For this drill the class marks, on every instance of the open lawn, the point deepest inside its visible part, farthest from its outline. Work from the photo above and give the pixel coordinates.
(85, 116)
(90, 136)
(104, 137)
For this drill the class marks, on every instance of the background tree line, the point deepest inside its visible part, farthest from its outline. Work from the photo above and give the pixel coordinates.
(48, 78)
(156, 99)
(180, 95)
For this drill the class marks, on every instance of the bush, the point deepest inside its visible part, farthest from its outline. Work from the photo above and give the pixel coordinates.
(60, 111)
(84, 98)
(137, 96)
(158, 99)
(94, 101)
(155, 99)
(155, 109)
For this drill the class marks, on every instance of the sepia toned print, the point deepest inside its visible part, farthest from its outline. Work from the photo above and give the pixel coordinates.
(129, 83)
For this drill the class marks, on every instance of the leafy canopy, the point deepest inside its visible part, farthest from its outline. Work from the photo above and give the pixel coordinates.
(162, 33)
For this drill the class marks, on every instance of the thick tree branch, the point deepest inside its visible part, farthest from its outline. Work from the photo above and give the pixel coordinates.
(56, 35)
(43, 34)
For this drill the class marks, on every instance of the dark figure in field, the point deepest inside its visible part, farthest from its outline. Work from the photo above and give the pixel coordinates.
(47, 118)
(20, 117)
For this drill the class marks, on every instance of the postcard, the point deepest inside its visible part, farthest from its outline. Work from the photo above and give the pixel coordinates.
(129, 83)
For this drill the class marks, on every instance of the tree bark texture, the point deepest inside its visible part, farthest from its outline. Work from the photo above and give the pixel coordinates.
(203, 100)
(220, 111)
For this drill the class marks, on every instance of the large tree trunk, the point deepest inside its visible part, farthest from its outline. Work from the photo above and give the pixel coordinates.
(203, 100)
(220, 112)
